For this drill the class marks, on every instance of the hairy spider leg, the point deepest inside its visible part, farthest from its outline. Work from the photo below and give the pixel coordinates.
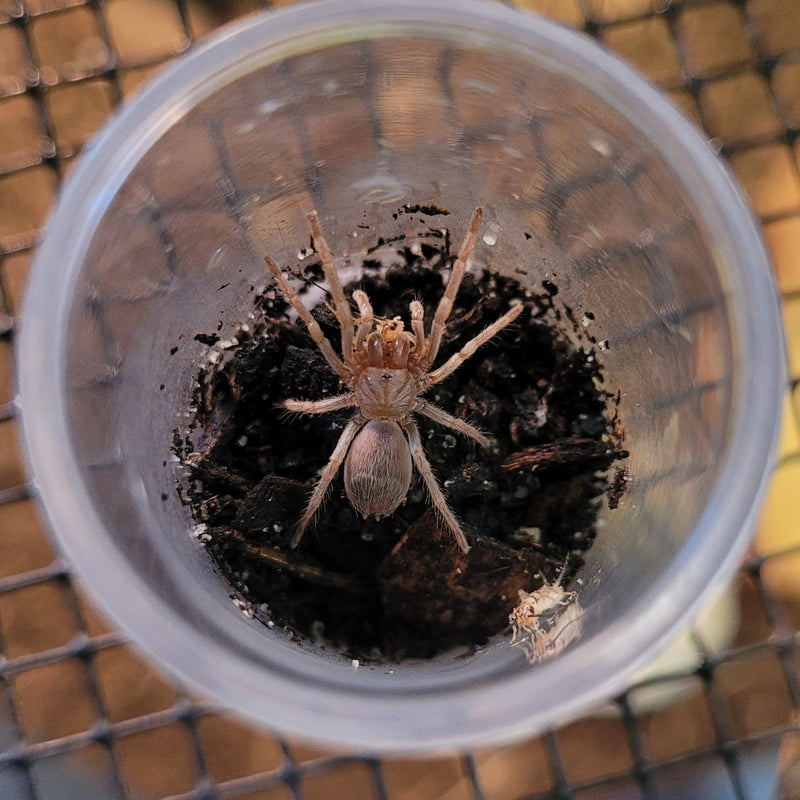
(449, 421)
(321, 406)
(445, 306)
(418, 329)
(311, 324)
(468, 350)
(437, 498)
(328, 474)
(366, 318)
(340, 304)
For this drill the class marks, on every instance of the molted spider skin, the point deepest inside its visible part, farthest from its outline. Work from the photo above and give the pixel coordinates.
(386, 370)
(546, 620)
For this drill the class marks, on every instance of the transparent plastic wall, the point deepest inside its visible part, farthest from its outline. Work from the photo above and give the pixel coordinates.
(588, 180)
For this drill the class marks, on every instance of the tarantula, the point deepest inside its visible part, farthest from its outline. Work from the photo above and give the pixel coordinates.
(386, 370)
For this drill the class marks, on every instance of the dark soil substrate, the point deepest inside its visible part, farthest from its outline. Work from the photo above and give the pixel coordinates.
(400, 587)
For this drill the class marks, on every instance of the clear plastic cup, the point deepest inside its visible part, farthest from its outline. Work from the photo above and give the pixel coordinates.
(588, 178)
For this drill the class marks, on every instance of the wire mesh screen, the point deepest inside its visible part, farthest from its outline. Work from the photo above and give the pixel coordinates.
(83, 715)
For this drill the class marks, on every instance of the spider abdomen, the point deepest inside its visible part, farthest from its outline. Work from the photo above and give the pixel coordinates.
(377, 470)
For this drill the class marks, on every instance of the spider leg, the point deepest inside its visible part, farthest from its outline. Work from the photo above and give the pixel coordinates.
(367, 315)
(328, 474)
(341, 306)
(321, 406)
(418, 329)
(468, 350)
(311, 324)
(451, 290)
(449, 421)
(437, 498)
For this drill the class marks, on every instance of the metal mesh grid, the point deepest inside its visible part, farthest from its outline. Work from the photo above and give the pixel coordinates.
(83, 715)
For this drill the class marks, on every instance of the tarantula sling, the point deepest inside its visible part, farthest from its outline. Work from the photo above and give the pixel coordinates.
(386, 371)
